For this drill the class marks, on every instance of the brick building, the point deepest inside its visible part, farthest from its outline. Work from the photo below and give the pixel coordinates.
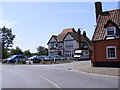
(106, 38)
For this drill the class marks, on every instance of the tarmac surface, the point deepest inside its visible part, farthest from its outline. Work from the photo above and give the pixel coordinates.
(96, 70)
(85, 66)
(53, 76)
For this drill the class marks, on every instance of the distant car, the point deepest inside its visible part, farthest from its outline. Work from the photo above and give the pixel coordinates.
(51, 58)
(35, 59)
(57, 58)
(44, 57)
(15, 58)
(78, 57)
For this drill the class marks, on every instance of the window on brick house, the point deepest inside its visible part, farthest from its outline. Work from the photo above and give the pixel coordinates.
(110, 31)
(111, 52)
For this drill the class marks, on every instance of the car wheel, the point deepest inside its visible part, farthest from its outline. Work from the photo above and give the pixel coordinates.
(12, 61)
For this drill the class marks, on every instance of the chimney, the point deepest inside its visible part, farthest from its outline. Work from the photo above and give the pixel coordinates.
(79, 37)
(84, 33)
(79, 32)
(98, 8)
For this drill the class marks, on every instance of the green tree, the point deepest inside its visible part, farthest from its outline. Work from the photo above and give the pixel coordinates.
(42, 50)
(27, 53)
(16, 51)
(7, 40)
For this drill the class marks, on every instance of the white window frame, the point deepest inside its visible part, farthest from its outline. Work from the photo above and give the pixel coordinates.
(107, 52)
(114, 28)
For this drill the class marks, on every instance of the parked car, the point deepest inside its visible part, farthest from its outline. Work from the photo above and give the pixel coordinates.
(43, 57)
(56, 58)
(51, 58)
(15, 59)
(35, 59)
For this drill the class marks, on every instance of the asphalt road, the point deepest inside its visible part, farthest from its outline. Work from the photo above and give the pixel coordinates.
(52, 76)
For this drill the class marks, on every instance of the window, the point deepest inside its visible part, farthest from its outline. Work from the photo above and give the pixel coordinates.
(111, 52)
(110, 31)
(69, 44)
(56, 45)
(53, 45)
(60, 45)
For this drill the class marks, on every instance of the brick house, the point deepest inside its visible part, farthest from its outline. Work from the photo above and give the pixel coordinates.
(106, 38)
(67, 42)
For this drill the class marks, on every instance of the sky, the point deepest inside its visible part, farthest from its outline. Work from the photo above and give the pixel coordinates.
(34, 23)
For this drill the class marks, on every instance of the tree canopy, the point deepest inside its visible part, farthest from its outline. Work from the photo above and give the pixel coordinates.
(7, 39)
(27, 53)
(16, 51)
(42, 50)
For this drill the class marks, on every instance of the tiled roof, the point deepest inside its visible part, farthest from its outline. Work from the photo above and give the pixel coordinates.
(75, 36)
(81, 38)
(113, 15)
(61, 36)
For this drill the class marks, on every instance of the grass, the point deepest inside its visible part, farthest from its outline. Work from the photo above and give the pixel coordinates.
(56, 62)
(50, 62)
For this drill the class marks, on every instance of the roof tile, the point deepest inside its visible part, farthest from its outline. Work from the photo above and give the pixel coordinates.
(113, 15)
(61, 36)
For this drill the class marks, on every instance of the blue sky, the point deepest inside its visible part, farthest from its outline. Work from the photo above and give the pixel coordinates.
(34, 23)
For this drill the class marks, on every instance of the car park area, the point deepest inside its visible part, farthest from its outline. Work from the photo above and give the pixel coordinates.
(36, 59)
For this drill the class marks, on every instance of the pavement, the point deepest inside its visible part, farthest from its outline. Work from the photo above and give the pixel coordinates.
(96, 70)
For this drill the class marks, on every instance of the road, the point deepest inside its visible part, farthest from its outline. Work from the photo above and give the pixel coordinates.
(52, 76)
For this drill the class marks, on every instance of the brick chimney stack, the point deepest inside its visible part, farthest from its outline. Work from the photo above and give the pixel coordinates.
(84, 33)
(98, 8)
(79, 37)
(79, 32)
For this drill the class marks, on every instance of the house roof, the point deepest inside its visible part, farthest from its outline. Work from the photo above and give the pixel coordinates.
(53, 36)
(80, 38)
(74, 34)
(61, 36)
(104, 17)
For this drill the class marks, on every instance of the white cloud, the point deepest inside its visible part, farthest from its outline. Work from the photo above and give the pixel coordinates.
(7, 23)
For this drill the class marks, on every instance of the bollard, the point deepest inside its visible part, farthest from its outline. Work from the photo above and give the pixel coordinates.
(27, 62)
(8, 62)
(54, 60)
(31, 62)
(16, 61)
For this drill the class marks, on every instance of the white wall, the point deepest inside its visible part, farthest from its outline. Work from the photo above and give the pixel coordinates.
(53, 39)
(72, 44)
(68, 37)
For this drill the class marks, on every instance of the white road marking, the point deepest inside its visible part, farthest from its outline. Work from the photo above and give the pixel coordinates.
(50, 81)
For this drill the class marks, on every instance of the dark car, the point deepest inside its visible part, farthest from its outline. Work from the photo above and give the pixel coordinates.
(15, 59)
(35, 59)
(44, 58)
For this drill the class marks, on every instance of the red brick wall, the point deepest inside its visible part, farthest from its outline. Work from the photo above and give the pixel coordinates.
(99, 50)
(110, 25)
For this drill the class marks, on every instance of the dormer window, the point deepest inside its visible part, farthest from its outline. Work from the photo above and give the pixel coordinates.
(110, 31)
